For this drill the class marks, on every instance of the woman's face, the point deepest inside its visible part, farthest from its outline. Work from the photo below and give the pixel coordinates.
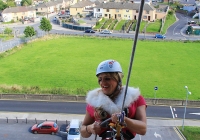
(107, 83)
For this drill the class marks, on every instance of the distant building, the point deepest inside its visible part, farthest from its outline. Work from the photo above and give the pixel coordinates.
(18, 2)
(128, 11)
(17, 13)
(82, 7)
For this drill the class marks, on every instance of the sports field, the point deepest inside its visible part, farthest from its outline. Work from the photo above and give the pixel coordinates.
(69, 63)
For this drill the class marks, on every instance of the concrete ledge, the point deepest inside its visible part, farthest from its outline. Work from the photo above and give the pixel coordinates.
(37, 97)
(81, 98)
(64, 98)
(12, 96)
(151, 101)
(192, 103)
(169, 102)
(51, 97)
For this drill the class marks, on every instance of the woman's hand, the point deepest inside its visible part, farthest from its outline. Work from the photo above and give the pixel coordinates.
(115, 117)
(95, 128)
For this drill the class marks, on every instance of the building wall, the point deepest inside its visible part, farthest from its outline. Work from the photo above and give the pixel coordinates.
(75, 11)
(98, 12)
(159, 15)
(42, 9)
(148, 15)
(127, 14)
(7, 17)
(51, 9)
(31, 14)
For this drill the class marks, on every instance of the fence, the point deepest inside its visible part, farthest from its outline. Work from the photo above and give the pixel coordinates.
(76, 27)
(7, 45)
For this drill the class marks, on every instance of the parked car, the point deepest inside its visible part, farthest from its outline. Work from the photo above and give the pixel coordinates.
(47, 127)
(74, 130)
(26, 19)
(105, 32)
(89, 31)
(160, 36)
(55, 19)
(192, 22)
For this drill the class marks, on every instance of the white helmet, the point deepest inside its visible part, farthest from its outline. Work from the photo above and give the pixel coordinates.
(108, 66)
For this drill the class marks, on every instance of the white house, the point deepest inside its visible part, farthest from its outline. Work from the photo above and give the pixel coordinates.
(6, 17)
(18, 2)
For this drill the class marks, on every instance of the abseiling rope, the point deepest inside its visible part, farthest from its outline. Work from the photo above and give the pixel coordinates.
(133, 49)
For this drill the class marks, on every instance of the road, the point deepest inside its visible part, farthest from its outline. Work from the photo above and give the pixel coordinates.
(20, 127)
(79, 108)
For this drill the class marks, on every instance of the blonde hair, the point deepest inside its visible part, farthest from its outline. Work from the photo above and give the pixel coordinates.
(116, 76)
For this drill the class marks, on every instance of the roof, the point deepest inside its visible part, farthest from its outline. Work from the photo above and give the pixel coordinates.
(124, 5)
(162, 8)
(195, 27)
(138, 1)
(82, 4)
(47, 4)
(18, 9)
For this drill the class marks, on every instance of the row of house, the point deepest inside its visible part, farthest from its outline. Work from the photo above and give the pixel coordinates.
(17, 13)
(20, 12)
(99, 8)
(119, 10)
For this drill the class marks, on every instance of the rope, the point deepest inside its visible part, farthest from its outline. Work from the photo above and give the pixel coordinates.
(133, 49)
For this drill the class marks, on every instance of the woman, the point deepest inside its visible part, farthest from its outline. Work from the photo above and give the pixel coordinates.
(106, 102)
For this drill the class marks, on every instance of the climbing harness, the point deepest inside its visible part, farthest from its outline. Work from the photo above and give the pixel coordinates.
(116, 133)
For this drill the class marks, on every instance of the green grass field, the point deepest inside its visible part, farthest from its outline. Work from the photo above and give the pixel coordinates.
(154, 27)
(6, 37)
(70, 63)
(191, 132)
(169, 21)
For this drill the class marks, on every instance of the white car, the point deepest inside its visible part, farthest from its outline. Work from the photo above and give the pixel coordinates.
(74, 130)
(105, 32)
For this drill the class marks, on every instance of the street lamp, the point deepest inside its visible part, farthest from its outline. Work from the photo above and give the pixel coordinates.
(187, 92)
(47, 9)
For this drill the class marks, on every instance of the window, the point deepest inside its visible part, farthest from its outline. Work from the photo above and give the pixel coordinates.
(106, 15)
(144, 17)
(147, 12)
(107, 10)
(136, 11)
(127, 10)
(98, 10)
(119, 15)
(125, 15)
(44, 127)
(117, 10)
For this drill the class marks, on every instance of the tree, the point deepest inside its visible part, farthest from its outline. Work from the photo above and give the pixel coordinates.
(29, 31)
(8, 31)
(11, 3)
(26, 2)
(3, 5)
(45, 25)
